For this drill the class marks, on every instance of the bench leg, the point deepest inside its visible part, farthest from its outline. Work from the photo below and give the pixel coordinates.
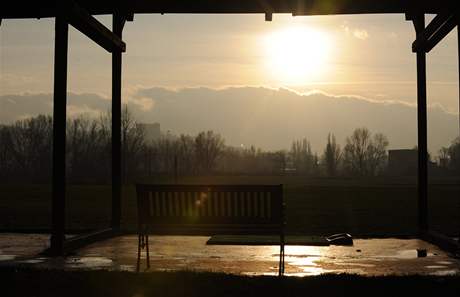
(138, 253)
(281, 264)
(147, 247)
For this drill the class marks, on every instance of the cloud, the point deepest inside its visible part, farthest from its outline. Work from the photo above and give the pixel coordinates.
(272, 118)
(360, 34)
(19, 106)
(355, 32)
(265, 117)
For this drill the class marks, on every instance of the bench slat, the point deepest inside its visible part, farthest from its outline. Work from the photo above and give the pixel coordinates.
(211, 205)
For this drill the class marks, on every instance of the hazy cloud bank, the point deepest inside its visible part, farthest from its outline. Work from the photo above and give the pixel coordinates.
(267, 118)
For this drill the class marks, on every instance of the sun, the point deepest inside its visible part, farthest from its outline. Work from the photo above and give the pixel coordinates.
(297, 55)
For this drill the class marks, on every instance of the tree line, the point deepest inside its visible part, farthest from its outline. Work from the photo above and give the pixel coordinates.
(449, 157)
(26, 147)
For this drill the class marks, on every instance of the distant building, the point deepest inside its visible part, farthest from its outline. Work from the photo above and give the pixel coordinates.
(402, 162)
(152, 131)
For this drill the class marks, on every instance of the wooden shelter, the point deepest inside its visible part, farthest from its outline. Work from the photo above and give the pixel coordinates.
(80, 14)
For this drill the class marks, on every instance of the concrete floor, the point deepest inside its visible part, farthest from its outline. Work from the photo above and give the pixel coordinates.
(172, 253)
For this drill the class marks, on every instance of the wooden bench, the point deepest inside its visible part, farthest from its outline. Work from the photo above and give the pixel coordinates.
(209, 210)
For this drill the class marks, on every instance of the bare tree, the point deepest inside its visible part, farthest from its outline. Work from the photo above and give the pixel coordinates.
(444, 158)
(302, 156)
(377, 154)
(30, 145)
(208, 147)
(332, 155)
(185, 154)
(6, 164)
(450, 156)
(133, 142)
(364, 155)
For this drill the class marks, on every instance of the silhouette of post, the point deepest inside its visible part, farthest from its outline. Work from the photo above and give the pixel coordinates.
(458, 48)
(59, 135)
(118, 23)
(422, 176)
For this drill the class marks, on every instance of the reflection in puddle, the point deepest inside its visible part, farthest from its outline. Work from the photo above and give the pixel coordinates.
(33, 261)
(366, 257)
(7, 257)
(88, 262)
(365, 265)
(435, 267)
(307, 264)
(445, 272)
(445, 262)
(129, 268)
(310, 261)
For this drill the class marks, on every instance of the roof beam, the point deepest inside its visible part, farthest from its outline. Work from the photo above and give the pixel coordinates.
(436, 30)
(81, 20)
(47, 8)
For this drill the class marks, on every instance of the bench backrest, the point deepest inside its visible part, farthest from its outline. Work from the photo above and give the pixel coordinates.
(215, 206)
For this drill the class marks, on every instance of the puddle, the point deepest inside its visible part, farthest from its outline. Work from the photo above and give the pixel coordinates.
(445, 272)
(315, 270)
(365, 265)
(252, 273)
(33, 261)
(435, 267)
(309, 261)
(7, 257)
(445, 262)
(88, 262)
(129, 268)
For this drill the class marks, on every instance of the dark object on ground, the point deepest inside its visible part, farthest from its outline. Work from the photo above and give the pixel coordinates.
(340, 239)
(421, 253)
(266, 240)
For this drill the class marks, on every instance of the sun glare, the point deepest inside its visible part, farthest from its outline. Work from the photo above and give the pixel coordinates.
(297, 55)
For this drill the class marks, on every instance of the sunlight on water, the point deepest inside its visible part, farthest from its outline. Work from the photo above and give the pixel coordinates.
(7, 257)
(88, 262)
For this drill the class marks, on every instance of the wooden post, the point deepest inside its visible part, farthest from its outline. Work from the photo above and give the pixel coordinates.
(59, 136)
(422, 180)
(117, 23)
(458, 48)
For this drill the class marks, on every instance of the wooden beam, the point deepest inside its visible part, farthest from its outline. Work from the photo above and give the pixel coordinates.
(91, 27)
(118, 23)
(458, 54)
(422, 173)
(438, 28)
(46, 8)
(59, 136)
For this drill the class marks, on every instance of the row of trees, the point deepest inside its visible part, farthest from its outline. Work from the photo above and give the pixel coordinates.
(449, 157)
(364, 154)
(26, 145)
(26, 148)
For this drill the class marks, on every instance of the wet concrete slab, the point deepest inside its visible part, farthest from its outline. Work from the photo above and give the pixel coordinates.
(173, 253)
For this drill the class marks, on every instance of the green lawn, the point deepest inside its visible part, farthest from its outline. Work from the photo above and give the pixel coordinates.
(375, 207)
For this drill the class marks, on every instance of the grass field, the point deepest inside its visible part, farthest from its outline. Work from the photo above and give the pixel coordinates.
(25, 282)
(373, 207)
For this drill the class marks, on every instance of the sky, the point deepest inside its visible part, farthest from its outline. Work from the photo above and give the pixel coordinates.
(350, 60)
